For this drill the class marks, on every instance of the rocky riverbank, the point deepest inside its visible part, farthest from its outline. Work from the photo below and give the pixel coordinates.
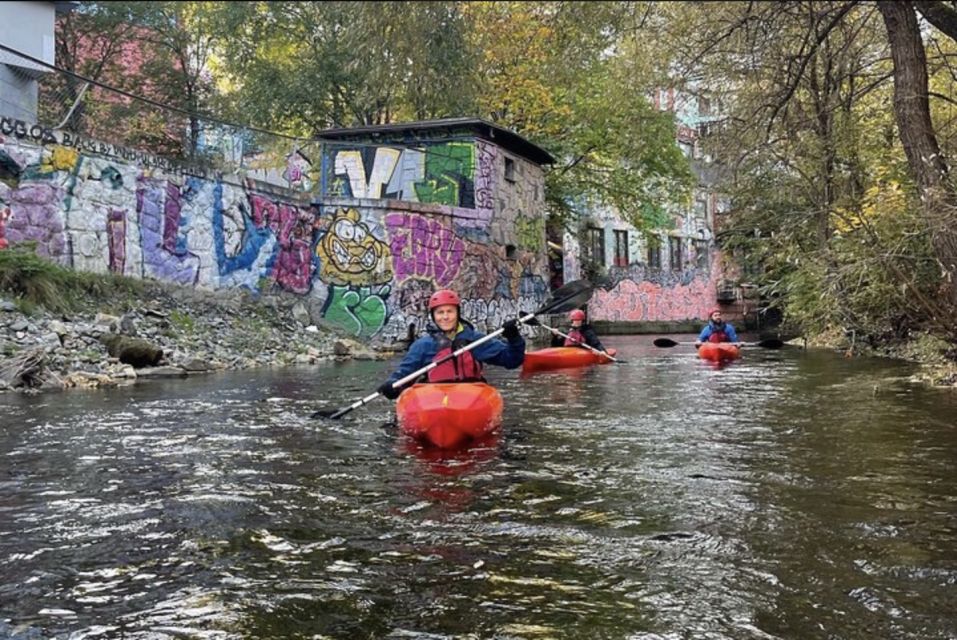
(166, 331)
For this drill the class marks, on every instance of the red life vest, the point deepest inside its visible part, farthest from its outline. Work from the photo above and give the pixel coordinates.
(575, 338)
(463, 368)
(718, 335)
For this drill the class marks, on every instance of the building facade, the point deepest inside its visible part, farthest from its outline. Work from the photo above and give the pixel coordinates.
(667, 279)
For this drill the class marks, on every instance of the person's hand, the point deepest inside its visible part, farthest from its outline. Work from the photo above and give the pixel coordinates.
(389, 391)
(510, 330)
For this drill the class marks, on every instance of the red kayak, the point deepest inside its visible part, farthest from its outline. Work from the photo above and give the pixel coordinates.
(719, 351)
(449, 414)
(562, 358)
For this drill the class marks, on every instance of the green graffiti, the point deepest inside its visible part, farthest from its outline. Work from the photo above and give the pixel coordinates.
(530, 232)
(361, 311)
(449, 173)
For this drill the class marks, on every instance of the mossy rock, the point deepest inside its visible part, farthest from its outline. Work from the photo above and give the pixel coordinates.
(132, 351)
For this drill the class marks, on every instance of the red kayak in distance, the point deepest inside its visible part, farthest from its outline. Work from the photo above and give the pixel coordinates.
(562, 358)
(449, 415)
(719, 351)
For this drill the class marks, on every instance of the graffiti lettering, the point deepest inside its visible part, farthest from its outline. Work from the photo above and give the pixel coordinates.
(423, 248)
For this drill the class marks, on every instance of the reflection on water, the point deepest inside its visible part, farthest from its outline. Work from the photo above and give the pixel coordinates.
(785, 495)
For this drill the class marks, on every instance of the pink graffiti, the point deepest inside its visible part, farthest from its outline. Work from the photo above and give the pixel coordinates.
(293, 230)
(4, 214)
(423, 248)
(646, 300)
(34, 216)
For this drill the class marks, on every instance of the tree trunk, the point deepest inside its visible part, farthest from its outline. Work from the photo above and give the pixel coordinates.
(912, 112)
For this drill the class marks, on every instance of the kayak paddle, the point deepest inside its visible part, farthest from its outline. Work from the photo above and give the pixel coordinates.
(571, 296)
(770, 343)
(580, 344)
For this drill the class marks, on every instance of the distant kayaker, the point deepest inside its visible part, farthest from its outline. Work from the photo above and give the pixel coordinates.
(717, 330)
(580, 333)
(448, 332)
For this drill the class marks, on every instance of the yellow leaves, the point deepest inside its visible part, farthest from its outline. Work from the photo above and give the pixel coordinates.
(885, 198)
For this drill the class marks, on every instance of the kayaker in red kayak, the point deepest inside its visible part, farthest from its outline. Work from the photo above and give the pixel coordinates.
(717, 330)
(447, 333)
(580, 333)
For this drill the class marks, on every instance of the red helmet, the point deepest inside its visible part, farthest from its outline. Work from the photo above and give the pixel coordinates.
(444, 296)
(714, 311)
(577, 314)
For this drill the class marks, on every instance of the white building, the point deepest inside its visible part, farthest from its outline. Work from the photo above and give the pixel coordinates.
(27, 27)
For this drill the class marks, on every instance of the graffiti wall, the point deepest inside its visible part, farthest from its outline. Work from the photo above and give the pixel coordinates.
(395, 225)
(665, 275)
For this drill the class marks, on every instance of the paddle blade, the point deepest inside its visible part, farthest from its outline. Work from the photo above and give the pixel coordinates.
(771, 343)
(665, 342)
(324, 413)
(571, 296)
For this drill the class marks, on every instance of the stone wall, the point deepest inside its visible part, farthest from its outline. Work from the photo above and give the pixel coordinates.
(385, 227)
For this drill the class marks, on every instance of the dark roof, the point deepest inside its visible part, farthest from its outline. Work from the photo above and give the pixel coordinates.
(505, 138)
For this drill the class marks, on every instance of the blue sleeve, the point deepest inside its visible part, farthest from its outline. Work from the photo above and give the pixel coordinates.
(416, 358)
(705, 333)
(510, 355)
(732, 334)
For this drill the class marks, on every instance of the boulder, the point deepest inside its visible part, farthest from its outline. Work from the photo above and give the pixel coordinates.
(132, 351)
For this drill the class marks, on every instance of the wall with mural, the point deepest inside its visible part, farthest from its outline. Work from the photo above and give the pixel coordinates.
(681, 286)
(441, 214)
(388, 227)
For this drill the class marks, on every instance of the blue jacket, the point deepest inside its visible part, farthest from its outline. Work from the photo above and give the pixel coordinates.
(504, 354)
(710, 328)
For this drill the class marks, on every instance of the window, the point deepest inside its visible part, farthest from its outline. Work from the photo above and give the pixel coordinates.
(621, 248)
(596, 245)
(701, 254)
(675, 253)
(509, 169)
(654, 253)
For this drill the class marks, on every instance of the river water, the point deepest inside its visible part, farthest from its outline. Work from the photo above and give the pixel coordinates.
(790, 494)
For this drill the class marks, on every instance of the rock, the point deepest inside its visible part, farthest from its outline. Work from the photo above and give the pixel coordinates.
(161, 372)
(134, 351)
(51, 340)
(6, 305)
(58, 328)
(301, 314)
(312, 329)
(86, 379)
(19, 326)
(111, 323)
(196, 365)
(341, 348)
(126, 325)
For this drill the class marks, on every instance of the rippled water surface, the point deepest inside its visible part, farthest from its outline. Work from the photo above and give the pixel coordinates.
(788, 495)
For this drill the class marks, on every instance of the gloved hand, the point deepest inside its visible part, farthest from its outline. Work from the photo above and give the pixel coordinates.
(389, 391)
(511, 331)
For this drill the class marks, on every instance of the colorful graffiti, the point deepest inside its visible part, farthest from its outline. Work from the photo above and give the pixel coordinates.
(369, 267)
(360, 311)
(662, 298)
(351, 254)
(423, 248)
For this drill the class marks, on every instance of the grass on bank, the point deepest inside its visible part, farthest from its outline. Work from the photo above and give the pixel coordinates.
(34, 282)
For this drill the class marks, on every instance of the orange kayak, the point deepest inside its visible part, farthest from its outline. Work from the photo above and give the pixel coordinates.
(449, 414)
(719, 351)
(562, 358)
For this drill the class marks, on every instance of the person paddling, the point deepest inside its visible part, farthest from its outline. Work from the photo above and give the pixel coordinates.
(447, 333)
(579, 334)
(717, 330)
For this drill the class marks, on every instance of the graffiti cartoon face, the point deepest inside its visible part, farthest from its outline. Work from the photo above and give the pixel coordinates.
(350, 254)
